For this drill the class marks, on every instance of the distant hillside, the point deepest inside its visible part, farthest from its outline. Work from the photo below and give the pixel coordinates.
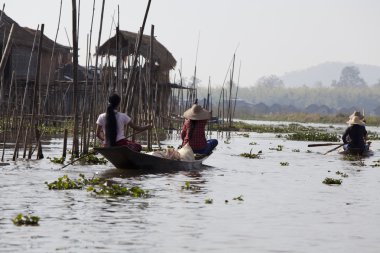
(325, 73)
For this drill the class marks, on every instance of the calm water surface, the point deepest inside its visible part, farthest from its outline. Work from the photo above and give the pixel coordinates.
(284, 208)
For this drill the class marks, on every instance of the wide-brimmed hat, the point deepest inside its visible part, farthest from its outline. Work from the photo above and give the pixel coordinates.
(355, 120)
(358, 114)
(197, 112)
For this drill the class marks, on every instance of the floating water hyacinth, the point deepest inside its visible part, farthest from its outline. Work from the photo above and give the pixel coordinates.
(329, 181)
(252, 156)
(209, 201)
(313, 136)
(341, 174)
(27, 220)
(239, 198)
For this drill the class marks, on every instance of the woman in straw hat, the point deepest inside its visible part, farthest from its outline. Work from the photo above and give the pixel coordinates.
(193, 130)
(110, 126)
(355, 135)
(359, 114)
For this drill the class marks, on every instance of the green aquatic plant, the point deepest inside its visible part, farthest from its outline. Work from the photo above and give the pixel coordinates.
(27, 220)
(188, 186)
(278, 148)
(239, 198)
(341, 174)
(209, 201)
(284, 163)
(376, 163)
(116, 190)
(313, 136)
(251, 156)
(330, 181)
(93, 159)
(65, 183)
(59, 160)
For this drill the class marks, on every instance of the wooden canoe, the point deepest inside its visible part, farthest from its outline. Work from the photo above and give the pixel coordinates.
(124, 158)
(365, 153)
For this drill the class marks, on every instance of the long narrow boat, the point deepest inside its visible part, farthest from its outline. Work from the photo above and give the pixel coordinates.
(365, 153)
(124, 158)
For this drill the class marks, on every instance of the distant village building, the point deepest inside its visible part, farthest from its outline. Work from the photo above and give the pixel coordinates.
(22, 44)
(122, 47)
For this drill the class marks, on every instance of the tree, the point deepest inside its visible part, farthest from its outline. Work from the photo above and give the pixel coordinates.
(271, 81)
(350, 77)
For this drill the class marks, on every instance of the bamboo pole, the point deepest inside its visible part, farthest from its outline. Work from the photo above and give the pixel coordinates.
(35, 104)
(51, 59)
(6, 121)
(75, 150)
(3, 63)
(127, 102)
(24, 99)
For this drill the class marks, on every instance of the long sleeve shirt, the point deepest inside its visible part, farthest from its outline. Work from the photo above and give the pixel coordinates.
(198, 138)
(355, 135)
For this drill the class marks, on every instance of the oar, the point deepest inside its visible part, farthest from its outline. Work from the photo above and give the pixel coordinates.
(323, 144)
(334, 149)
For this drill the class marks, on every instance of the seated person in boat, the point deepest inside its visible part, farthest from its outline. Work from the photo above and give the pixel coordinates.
(355, 135)
(193, 130)
(359, 114)
(110, 126)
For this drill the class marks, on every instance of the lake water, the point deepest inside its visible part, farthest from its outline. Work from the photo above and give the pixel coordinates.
(284, 208)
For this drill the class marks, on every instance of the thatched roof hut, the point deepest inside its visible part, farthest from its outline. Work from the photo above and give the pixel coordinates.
(22, 43)
(162, 57)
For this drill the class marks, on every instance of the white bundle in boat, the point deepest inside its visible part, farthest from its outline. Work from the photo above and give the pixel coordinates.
(186, 153)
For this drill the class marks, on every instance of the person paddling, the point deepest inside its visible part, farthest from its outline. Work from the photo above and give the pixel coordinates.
(355, 136)
(110, 126)
(193, 130)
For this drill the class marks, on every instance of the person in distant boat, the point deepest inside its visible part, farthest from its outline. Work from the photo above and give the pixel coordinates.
(110, 126)
(193, 130)
(354, 138)
(359, 114)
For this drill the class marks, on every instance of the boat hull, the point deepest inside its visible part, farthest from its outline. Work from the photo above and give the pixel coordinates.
(124, 158)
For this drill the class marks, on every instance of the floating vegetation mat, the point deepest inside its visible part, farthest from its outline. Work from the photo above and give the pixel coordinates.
(331, 181)
(313, 136)
(250, 155)
(27, 220)
(97, 185)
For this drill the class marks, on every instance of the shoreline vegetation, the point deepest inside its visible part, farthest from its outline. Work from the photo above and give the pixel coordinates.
(310, 118)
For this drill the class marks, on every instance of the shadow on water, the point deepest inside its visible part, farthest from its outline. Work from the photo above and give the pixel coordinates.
(131, 172)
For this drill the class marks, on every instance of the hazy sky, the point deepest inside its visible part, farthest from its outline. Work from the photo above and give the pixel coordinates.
(271, 36)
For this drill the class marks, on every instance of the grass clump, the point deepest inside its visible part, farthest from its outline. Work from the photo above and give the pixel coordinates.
(284, 163)
(278, 148)
(250, 155)
(330, 181)
(209, 201)
(342, 174)
(190, 187)
(27, 220)
(59, 160)
(239, 198)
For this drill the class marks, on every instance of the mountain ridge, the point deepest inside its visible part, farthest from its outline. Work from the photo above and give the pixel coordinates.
(324, 74)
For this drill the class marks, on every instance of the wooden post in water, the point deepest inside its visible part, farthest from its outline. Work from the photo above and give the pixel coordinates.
(75, 151)
(3, 63)
(64, 143)
(35, 106)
